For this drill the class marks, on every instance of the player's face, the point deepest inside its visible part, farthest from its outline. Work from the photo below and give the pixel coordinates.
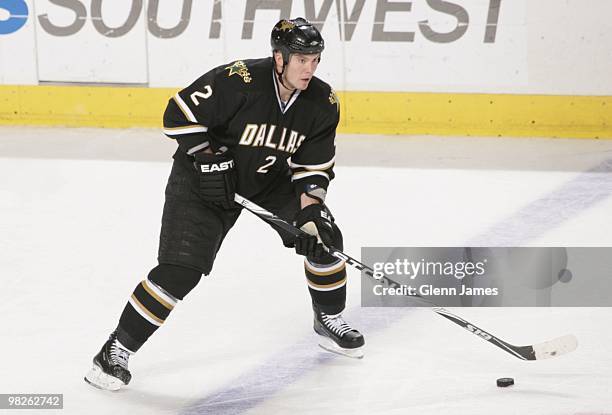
(300, 70)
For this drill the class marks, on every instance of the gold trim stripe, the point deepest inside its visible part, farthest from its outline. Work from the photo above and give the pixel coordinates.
(143, 308)
(186, 129)
(308, 173)
(184, 108)
(322, 166)
(329, 286)
(312, 270)
(157, 297)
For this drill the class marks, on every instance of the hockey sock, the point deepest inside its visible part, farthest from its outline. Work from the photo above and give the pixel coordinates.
(152, 301)
(145, 312)
(327, 284)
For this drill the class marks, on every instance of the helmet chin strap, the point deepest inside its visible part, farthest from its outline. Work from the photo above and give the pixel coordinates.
(279, 76)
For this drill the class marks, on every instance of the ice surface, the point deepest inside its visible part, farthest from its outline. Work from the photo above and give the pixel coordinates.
(79, 222)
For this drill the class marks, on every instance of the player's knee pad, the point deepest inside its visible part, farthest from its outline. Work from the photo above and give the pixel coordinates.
(178, 281)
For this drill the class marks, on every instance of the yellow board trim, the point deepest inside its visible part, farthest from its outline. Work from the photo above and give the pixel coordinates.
(477, 114)
(83, 106)
(362, 112)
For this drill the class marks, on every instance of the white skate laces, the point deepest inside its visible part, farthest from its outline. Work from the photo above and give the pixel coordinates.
(336, 324)
(119, 355)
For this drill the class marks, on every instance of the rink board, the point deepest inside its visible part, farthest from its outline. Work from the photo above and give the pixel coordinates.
(362, 112)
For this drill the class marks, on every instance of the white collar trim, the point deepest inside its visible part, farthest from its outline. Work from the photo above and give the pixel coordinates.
(294, 94)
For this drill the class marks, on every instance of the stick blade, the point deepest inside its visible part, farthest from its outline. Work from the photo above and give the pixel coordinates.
(555, 347)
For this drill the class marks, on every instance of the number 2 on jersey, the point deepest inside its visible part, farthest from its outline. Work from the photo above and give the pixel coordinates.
(270, 160)
(197, 94)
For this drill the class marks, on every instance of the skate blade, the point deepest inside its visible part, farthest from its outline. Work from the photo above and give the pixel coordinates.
(326, 343)
(98, 379)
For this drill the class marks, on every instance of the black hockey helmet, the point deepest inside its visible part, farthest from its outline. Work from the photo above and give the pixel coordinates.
(296, 36)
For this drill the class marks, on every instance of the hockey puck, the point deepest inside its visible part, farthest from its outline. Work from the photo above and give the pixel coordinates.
(505, 382)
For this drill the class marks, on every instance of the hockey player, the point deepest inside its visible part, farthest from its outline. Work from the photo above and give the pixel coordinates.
(263, 128)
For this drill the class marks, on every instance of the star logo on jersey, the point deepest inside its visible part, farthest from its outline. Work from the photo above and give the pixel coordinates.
(286, 25)
(239, 68)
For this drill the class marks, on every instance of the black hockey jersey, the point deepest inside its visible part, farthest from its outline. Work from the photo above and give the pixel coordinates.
(238, 106)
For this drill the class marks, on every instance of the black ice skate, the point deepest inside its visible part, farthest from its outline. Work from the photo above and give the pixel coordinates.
(335, 335)
(110, 366)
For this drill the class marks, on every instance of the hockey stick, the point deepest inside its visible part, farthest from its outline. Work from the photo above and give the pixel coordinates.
(551, 348)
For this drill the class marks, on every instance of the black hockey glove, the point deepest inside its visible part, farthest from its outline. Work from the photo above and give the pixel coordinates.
(217, 178)
(316, 220)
